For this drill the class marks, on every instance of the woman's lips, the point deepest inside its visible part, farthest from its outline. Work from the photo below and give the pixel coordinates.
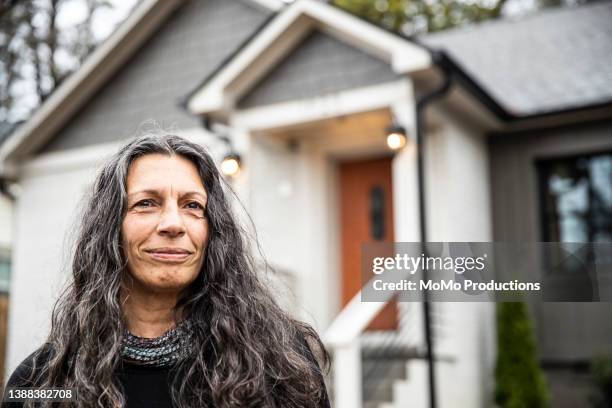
(168, 256)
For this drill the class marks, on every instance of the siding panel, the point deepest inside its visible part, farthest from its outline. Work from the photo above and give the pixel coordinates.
(320, 65)
(190, 45)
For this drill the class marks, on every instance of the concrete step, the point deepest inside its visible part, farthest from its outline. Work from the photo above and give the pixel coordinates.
(379, 377)
(410, 392)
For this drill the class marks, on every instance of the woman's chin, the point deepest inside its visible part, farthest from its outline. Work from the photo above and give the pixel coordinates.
(163, 280)
(166, 285)
(169, 287)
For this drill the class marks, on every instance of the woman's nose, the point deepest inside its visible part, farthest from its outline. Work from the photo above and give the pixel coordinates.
(171, 222)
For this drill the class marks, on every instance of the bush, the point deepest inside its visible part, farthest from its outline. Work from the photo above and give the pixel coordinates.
(519, 382)
(601, 370)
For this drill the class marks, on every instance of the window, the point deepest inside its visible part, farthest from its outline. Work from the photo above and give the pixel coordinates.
(576, 198)
(576, 208)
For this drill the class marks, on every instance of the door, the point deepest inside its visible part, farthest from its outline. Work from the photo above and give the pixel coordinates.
(366, 215)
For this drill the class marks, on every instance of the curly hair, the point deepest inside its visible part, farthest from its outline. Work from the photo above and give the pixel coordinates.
(247, 351)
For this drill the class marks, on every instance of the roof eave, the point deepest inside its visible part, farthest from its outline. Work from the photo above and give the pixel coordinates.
(507, 121)
(274, 5)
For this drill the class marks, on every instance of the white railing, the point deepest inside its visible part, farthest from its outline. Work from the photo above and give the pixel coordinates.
(342, 338)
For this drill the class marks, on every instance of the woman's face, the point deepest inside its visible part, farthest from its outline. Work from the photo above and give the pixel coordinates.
(165, 231)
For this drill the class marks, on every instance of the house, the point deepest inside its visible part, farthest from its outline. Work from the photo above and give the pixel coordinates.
(305, 93)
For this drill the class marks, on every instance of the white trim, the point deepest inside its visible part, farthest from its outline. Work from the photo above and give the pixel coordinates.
(82, 84)
(273, 5)
(284, 33)
(322, 107)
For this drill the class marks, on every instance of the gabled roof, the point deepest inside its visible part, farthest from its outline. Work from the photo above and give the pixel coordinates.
(220, 92)
(555, 60)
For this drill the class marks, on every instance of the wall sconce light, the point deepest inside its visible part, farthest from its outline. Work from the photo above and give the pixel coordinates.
(396, 137)
(230, 166)
(231, 163)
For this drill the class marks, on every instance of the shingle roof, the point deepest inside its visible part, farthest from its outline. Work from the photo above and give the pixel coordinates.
(556, 59)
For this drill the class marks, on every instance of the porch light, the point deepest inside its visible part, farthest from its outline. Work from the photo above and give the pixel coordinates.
(230, 166)
(396, 137)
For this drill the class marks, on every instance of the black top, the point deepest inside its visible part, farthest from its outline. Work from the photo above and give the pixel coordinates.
(144, 387)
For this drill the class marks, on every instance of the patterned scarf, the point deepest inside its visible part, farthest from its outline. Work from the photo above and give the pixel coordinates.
(162, 351)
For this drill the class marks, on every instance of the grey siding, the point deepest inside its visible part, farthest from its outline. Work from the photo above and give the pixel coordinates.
(566, 331)
(320, 65)
(187, 48)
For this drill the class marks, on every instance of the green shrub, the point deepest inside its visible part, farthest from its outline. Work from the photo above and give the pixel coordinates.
(519, 382)
(601, 370)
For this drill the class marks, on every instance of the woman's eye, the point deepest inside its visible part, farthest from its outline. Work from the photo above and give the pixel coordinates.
(195, 205)
(145, 203)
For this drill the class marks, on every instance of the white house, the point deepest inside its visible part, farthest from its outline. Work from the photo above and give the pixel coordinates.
(305, 92)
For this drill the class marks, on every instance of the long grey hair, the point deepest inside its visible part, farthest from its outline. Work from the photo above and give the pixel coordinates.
(247, 351)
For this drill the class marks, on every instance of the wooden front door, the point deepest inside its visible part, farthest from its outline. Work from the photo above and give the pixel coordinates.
(366, 215)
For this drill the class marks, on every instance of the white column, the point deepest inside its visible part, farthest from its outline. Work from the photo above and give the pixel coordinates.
(347, 376)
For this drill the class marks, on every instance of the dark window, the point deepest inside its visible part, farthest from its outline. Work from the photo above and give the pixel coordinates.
(576, 198)
(377, 213)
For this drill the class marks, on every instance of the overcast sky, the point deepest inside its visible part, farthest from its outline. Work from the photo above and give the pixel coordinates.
(75, 11)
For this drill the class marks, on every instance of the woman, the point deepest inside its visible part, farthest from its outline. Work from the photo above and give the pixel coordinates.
(165, 308)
